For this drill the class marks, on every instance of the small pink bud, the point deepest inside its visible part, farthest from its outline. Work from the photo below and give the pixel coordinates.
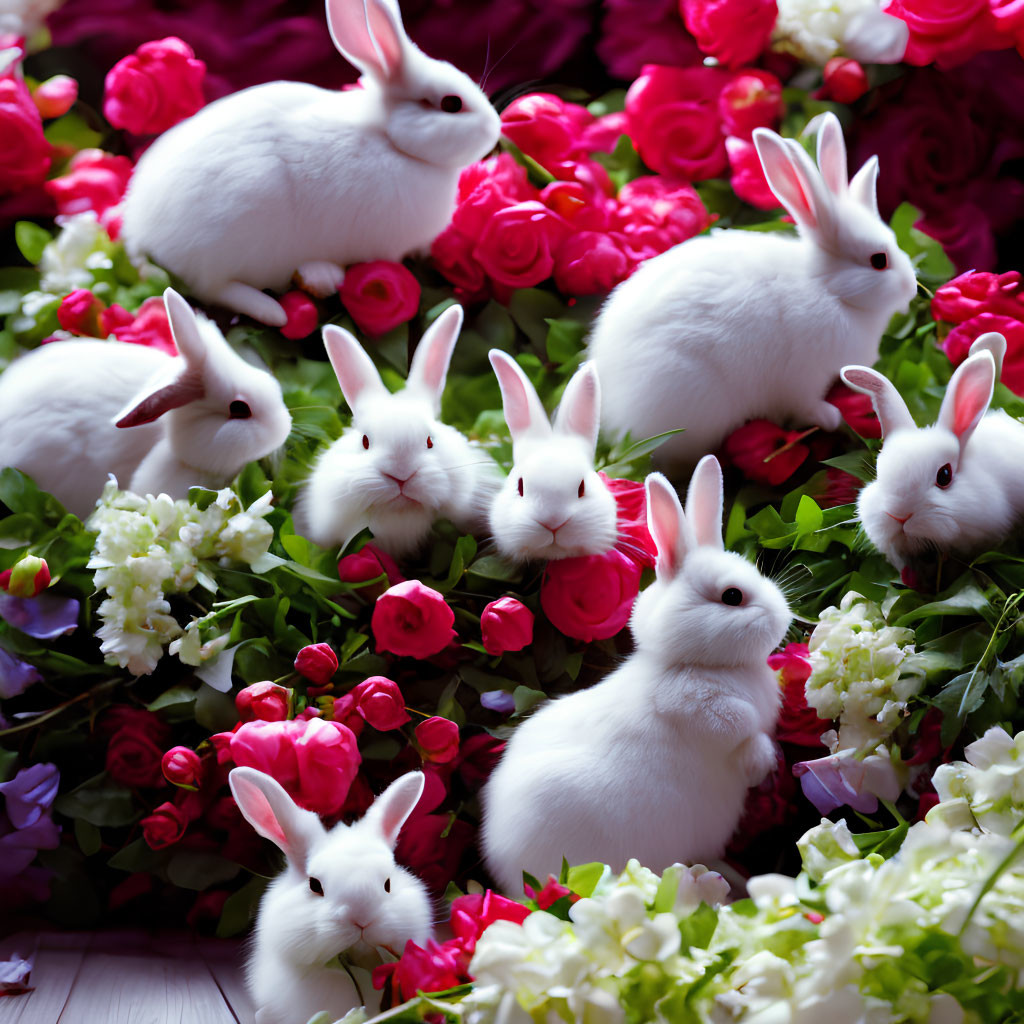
(438, 739)
(317, 663)
(845, 80)
(80, 313)
(55, 96)
(264, 701)
(379, 701)
(29, 577)
(506, 625)
(181, 766)
(303, 315)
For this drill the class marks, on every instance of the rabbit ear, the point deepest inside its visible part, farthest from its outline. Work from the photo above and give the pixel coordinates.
(968, 395)
(992, 342)
(369, 34)
(863, 185)
(580, 409)
(185, 330)
(892, 411)
(795, 181)
(832, 154)
(354, 369)
(272, 812)
(704, 502)
(524, 413)
(389, 811)
(672, 536)
(151, 404)
(434, 353)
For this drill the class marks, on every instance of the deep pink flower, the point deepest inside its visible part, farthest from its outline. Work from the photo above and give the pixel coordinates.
(580, 205)
(432, 845)
(24, 152)
(602, 135)
(973, 293)
(433, 968)
(635, 538)
(486, 187)
(845, 81)
(472, 915)
(959, 340)
(181, 766)
(380, 703)
(411, 620)
(265, 701)
(591, 263)
(954, 30)
(302, 313)
(155, 87)
(517, 244)
(317, 662)
(551, 892)
(136, 747)
(752, 99)
(590, 598)
(656, 212)
(80, 312)
(370, 563)
(768, 804)
(380, 295)
(544, 126)
(639, 32)
(732, 31)
(748, 180)
(506, 625)
(164, 827)
(840, 488)
(452, 253)
(438, 738)
(149, 326)
(857, 410)
(764, 452)
(56, 96)
(94, 181)
(798, 722)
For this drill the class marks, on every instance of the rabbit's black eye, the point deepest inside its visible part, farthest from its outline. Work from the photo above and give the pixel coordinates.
(879, 260)
(944, 477)
(430, 443)
(387, 885)
(366, 441)
(520, 487)
(239, 410)
(315, 886)
(733, 596)
(451, 104)
(580, 492)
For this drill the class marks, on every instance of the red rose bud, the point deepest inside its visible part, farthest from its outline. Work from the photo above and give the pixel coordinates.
(80, 313)
(29, 577)
(302, 315)
(317, 663)
(164, 827)
(506, 625)
(845, 80)
(182, 767)
(265, 701)
(379, 701)
(370, 563)
(438, 739)
(55, 96)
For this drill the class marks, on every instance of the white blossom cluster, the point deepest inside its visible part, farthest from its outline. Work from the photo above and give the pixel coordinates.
(149, 547)
(817, 30)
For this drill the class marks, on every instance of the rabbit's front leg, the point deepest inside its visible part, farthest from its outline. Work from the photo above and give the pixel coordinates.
(757, 757)
(320, 277)
(243, 298)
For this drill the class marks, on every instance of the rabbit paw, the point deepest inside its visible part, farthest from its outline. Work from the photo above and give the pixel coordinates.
(826, 416)
(319, 278)
(243, 298)
(757, 757)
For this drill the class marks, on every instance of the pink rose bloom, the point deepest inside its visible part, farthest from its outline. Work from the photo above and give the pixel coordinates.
(452, 253)
(432, 845)
(516, 246)
(753, 99)
(438, 739)
(602, 135)
(639, 32)
(164, 827)
(506, 625)
(857, 410)
(635, 539)
(317, 662)
(973, 293)
(380, 703)
(435, 967)
(380, 295)
(327, 757)
(578, 204)
(411, 620)
(472, 915)
(748, 180)
(80, 312)
(303, 316)
(369, 563)
(764, 452)
(734, 32)
(544, 126)
(953, 30)
(154, 88)
(591, 263)
(845, 81)
(840, 489)
(149, 326)
(486, 187)
(24, 152)
(590, 598)
(56, 96)
(94, 181)
(674, 121)
(181, 766)
(265, 701)
(656, 212)
(959, 340)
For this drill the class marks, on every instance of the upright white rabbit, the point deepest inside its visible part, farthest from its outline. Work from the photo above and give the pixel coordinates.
(287, 178)
(743, 324)
(65, 409)
(552, 504)
(956, 486)
(396, 468)
(340, 892)
(653, 762)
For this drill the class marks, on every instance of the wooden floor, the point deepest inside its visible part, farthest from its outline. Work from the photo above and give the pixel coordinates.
(127, 978)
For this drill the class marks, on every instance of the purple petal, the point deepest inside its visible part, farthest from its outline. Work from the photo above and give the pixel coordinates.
(18, 849)
(16, 676)
(827, 783)
(14, 975)
(30, 793)
(498, 700)
(44, 617)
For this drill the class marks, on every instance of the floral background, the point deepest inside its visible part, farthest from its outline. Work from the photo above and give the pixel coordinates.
(146, 651)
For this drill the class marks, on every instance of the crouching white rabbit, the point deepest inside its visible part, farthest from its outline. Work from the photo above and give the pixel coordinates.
(73, 412)
(655, 761)
(737, 325)
(341, 892)
(954, 487)
(287, 178)
(396, 468)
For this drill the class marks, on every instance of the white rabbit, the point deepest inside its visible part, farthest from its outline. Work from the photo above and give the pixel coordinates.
(396, 468)
(287, 178)
(653, 762)
(340, 892)
(64, 408)
(956, 486)
(738, 324)
(552, 504)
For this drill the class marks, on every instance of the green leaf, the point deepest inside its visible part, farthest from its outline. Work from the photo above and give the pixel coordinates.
(193, 869)
(493, 567)
(8, 758)
(526, 698)
(180, 697)
(583, 878)
(565, 340)
(99, 802)
(697, 930)
(31, 240)
(72, 132)
(88, 837)
(240, 908)
(215, 711)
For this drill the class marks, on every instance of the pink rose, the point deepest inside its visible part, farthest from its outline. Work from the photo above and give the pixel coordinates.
(602, 135)
(517, 244)
(265, 701)
(181, 766)
(550, 893)
(486, 187)
(411, 620)
(379, 701)
(452, 253)
(591, 263)
(157, 86)
(635, 538)
(578, 204)
(857, 410)
(164, 827)
(434, 967)
(840, 489)
(80, 312)
(732, 31)
(24, 152)
(303, 316)
(590, 598)
(432, 845)
(94, 181)
(973, 293)
(959, 340)
(544, 126)
(764, 452)
(753, 99)
(380, 295)
(674, 121)
(506, 625)
(954, 29)
(317, 662)
(149, 326)
(656, 212)
(438, 739)
(370, 563)
(748, 180)
(472, 915)
(639, 32)
(56, 96)
(845, 81)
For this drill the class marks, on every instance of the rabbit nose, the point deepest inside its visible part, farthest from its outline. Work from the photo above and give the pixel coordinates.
(899, 519)
(554, 529)
(400, 480)
(361, 927)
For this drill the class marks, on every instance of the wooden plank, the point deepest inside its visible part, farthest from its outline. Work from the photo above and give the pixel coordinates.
(225, 958)
(53, 977)
(118, 988)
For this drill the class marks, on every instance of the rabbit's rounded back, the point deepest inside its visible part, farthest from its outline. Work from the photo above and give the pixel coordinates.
(341, 892)
(737, 325)
(552, 504)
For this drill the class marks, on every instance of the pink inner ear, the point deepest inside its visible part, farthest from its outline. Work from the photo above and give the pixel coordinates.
(796, 182)
(972, 398)
(383, 30)
(184, 390)
(663, 521)
(260, 814)
(516, 401)
(347, 22)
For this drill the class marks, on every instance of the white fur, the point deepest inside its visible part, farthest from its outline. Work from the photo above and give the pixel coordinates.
(654, 762)
(297, 931)
(59, 405)
(287, 177)
(398, 485)
(551, 463)
(740, 324)
(984, 449)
